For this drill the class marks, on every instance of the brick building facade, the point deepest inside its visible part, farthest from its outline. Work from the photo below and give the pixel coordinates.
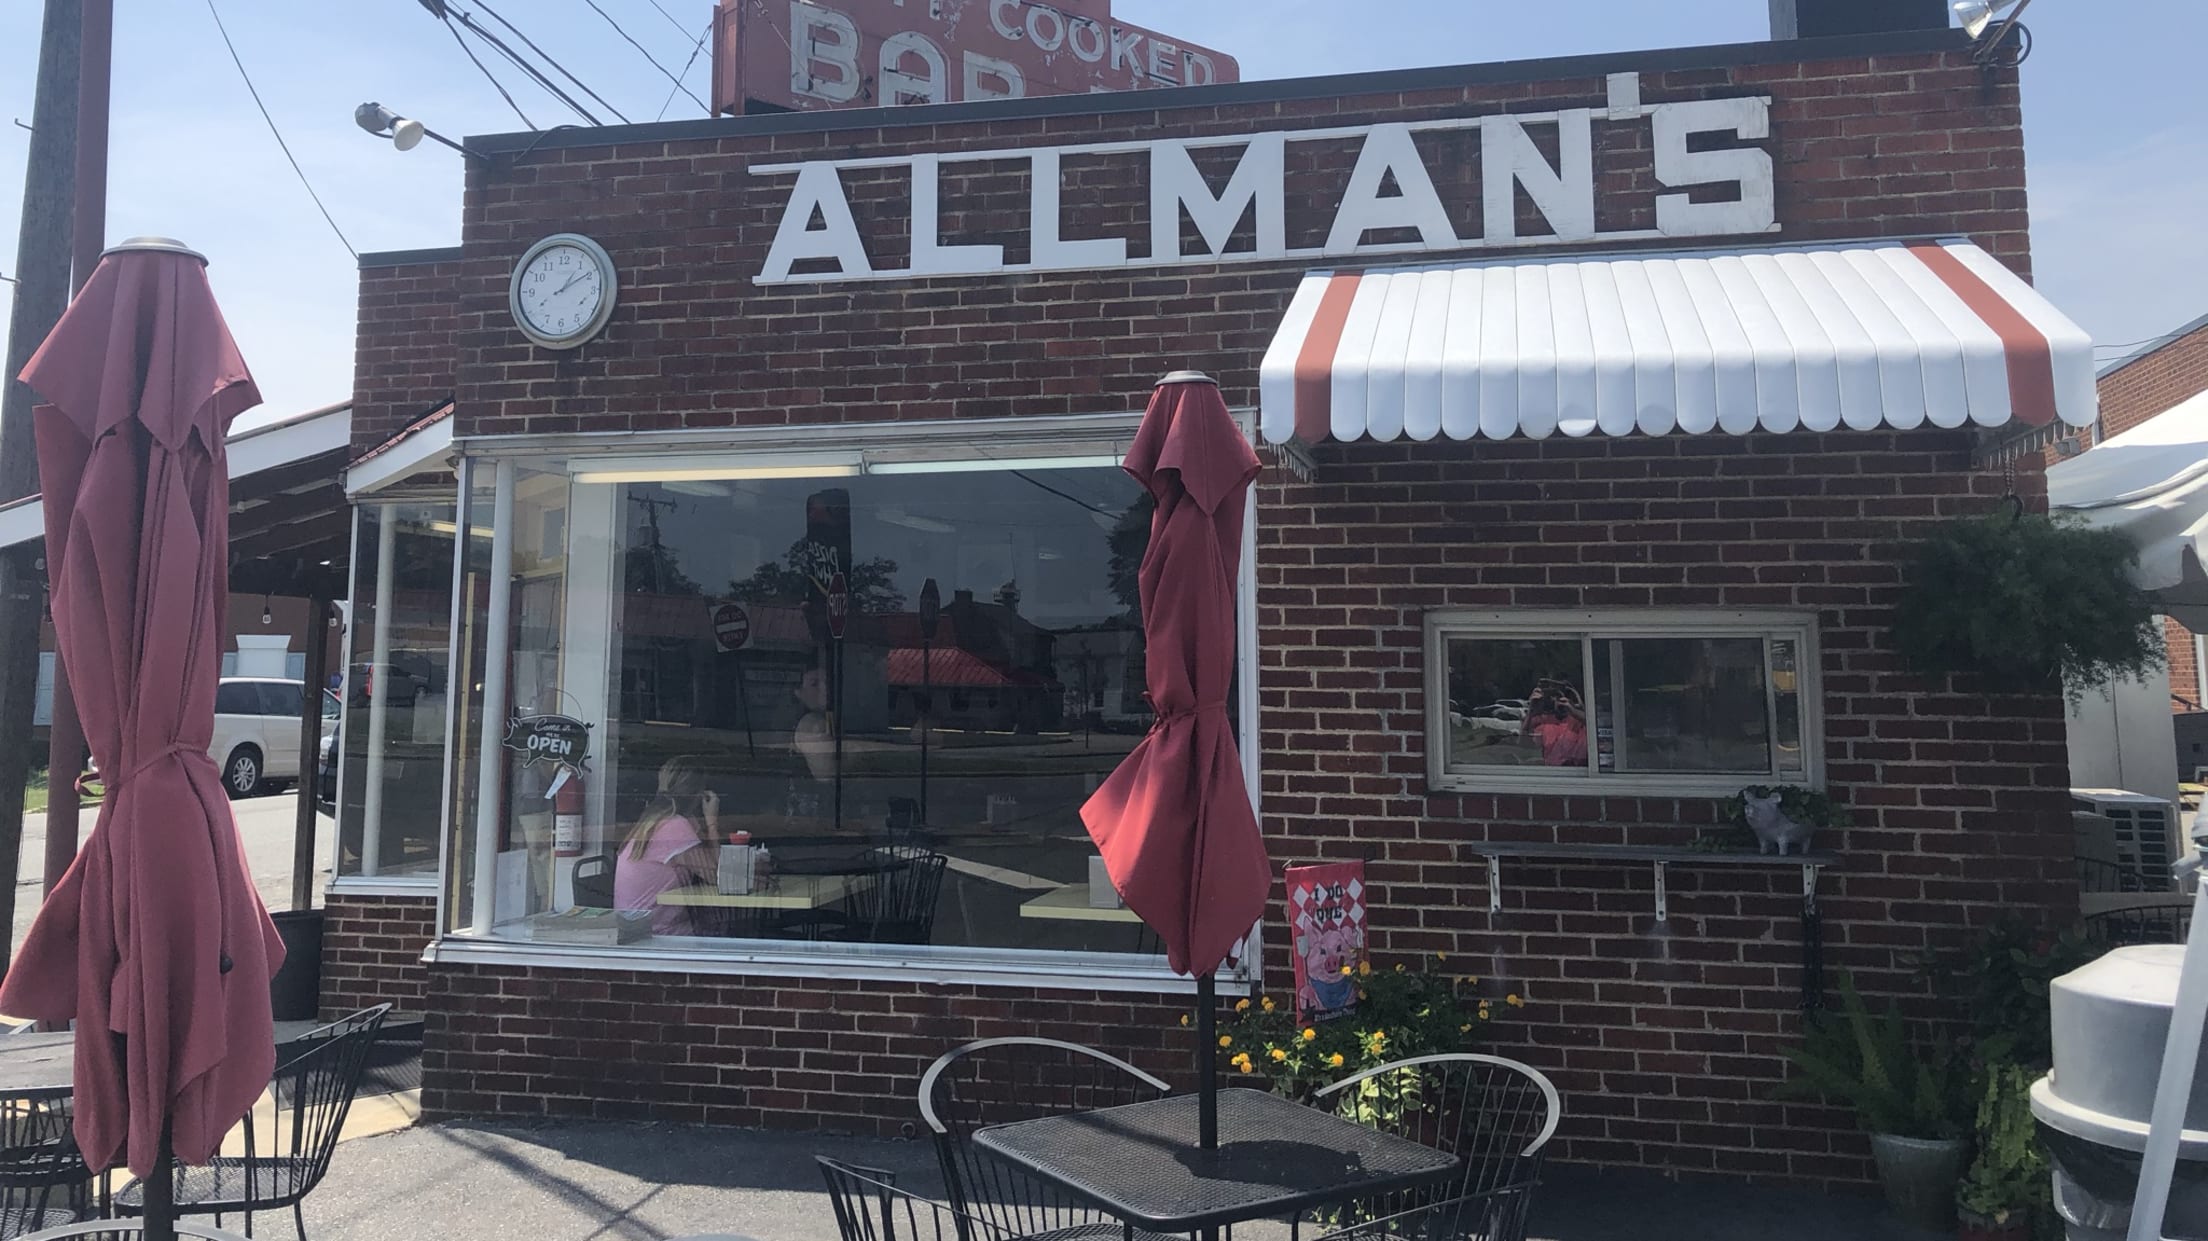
(2159, 377)
(1665, 1038)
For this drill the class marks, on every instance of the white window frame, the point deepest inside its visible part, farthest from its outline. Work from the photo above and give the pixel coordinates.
(1601, 624)
(368, 881)
(1004, 443)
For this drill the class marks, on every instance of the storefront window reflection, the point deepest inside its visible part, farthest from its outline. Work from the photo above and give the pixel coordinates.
(395, 689)
(833, 709)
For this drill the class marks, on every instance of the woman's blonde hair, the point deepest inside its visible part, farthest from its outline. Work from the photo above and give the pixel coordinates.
(681, 794)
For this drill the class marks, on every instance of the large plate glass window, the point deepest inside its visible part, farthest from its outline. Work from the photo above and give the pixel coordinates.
(833, 706)
(394, 691)
(1684, 702)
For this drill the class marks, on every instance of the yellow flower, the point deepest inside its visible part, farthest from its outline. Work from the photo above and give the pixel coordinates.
(1364, 969)
(1244, 1066)
(1399, 969)
(1242, 1006)
(1513, 1000)
(1466, 1028)
(1360, 993)
(1279, 1054)
(1441, 956)
(1483, 1011)
(1347, 971)
(1472, 980)
(1184, 1019)
(1309, 1033)
(1226, 1040)
(1379, 1037)
(1335, 1060)
(1269, 1005)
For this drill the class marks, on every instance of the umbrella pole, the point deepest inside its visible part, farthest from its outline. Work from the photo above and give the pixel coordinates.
(161, 1192)
(1207, 1077)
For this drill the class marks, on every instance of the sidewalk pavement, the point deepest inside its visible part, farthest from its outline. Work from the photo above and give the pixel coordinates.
(606, 1181)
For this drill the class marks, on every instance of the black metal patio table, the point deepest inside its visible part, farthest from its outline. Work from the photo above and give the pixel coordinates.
(1141, 1162)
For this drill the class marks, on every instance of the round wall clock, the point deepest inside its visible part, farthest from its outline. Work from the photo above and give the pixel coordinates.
(563, 290)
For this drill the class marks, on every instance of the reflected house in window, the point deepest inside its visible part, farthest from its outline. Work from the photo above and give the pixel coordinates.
(986, 667)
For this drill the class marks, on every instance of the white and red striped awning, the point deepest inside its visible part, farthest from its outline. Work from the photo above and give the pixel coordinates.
(1855, 335)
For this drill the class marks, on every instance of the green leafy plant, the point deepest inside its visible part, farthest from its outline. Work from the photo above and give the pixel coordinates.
(1869, 1063)
(1401, 1012)
(2026, 601)
(2003, 978)
(2008, 1175)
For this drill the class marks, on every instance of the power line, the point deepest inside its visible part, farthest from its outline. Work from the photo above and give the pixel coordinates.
(671, 18)
(695, 48)
(533, 73)
(523, 36)
(485, 70)
(644, 52)
(278, 134)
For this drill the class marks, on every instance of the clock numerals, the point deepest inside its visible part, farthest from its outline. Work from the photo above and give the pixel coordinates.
(562, 291)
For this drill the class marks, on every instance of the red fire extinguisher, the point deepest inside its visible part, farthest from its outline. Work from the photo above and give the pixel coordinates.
(567, 817)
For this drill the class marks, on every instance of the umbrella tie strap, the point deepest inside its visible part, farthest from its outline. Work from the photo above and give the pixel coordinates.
(115, 785)
(1184, 713)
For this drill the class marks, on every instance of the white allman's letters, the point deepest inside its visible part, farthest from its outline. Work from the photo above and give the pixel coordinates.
(1390, 191)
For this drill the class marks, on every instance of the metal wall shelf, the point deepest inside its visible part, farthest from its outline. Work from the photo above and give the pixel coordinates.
(1660, 859)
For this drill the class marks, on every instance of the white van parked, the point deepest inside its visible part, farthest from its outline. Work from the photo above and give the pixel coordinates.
(257, 731)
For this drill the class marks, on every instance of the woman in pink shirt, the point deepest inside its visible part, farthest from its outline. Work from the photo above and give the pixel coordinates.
(670, 847)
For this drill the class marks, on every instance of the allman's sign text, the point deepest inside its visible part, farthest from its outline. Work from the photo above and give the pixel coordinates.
(1709, 184)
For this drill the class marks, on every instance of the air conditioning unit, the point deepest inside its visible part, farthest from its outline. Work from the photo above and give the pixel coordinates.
(2145, 836)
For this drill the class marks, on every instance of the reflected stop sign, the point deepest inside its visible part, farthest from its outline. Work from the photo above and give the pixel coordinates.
(839, 605)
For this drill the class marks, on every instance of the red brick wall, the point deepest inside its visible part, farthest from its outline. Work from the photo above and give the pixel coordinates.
(372, 952)
(781, 1053)
(1665, 1040)
(403, 343)
(2145, 386)
(2131, 394)
(1891, 146)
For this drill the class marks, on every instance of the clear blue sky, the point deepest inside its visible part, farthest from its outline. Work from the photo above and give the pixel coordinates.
(2119, 192)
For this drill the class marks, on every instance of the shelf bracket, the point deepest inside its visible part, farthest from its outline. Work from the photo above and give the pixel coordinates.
(1663, 900)
(1494, 884)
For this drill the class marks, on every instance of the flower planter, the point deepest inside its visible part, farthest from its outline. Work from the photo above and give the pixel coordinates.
(1919, 1176)
(1972, 1228)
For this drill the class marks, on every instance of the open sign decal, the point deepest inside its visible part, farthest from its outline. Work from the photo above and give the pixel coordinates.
(559, 739)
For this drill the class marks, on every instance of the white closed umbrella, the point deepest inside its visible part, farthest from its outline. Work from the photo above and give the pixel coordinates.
(2151, 482)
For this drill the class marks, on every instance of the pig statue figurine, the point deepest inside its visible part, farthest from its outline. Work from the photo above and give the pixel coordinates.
(1772, 826)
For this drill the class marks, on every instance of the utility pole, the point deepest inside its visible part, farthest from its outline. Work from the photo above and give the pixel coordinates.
(88, 236)
(41, 292)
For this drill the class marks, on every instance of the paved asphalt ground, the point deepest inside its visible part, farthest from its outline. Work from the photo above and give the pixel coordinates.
(624, 1182)
(265, 823)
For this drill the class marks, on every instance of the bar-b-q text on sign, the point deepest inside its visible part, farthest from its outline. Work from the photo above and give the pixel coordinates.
(799, 54)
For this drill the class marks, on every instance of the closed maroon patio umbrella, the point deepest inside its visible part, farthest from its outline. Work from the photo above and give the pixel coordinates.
(1174, 821)
(155, 936)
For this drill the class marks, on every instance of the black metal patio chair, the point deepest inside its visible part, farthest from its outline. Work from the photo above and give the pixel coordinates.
(44, 1182)
(893, 904)
(1000, 1080)
(1493, 1215)
(1496, 1115)
(288, 1142)
(870, 1207)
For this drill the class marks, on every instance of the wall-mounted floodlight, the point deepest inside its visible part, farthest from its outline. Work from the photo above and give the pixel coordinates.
(405, 134)
(1976, 16)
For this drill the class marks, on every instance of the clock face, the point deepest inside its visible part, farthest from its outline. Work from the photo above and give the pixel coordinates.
(563, 291)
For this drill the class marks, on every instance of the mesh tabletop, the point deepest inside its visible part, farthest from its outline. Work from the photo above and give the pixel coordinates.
(1141, 1163)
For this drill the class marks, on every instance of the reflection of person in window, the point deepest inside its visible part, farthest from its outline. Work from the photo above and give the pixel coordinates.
(1557, 721)
(670, 847)
(815, 736)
